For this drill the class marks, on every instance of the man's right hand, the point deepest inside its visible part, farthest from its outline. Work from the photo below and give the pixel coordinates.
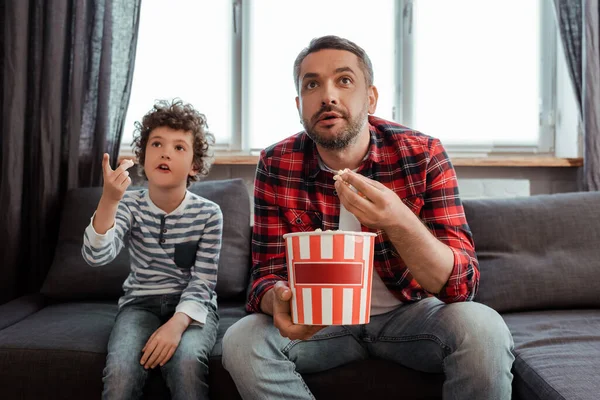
(117, 181)
(282, 319)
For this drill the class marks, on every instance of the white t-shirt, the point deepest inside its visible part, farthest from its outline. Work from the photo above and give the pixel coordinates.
(382, 300)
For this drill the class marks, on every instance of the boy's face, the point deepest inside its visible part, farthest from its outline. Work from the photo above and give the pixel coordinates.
(169, 157)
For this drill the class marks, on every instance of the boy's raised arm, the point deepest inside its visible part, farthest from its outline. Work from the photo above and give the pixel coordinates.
(115, 184)
(102, 243)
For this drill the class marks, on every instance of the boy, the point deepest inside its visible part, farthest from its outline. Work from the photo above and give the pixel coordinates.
(168, 314)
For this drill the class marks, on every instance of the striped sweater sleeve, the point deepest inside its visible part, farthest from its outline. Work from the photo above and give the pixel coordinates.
(198, 294)
(101, 249)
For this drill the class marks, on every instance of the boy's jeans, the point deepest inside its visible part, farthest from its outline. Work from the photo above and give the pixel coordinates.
(186, 373)
(469, 342)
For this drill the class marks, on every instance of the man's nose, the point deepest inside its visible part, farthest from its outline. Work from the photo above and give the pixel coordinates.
(330, 95)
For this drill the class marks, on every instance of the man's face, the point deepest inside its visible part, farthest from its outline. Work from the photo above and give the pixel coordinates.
(334, 99)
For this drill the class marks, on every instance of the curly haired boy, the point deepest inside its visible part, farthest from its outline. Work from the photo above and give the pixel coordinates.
(168, 314)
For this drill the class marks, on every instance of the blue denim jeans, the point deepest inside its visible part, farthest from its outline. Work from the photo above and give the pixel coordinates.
(469, 342)
(186, 373)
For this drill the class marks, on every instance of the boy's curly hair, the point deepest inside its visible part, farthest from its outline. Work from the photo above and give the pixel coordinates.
(179, 116)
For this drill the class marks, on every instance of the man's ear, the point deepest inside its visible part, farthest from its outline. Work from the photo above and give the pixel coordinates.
(298, 105)
(373, 95)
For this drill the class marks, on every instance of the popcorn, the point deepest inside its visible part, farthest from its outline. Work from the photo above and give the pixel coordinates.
(338, 176)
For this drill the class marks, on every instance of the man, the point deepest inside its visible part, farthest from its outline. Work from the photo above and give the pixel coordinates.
(427, 270)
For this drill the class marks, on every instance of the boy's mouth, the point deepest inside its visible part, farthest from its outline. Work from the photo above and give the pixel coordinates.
(163, 167)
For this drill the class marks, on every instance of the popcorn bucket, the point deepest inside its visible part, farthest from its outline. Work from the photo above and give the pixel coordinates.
(330, 275)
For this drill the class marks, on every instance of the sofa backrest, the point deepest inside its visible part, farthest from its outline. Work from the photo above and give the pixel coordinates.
(70, 278)
(538, 252)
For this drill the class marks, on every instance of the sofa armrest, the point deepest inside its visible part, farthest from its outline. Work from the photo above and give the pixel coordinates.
(20, 308)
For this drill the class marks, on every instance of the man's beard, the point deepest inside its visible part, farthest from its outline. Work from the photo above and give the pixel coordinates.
(340, 141)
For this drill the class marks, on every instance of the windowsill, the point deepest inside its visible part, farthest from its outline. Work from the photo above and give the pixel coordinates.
(531, 161)
(492, 161)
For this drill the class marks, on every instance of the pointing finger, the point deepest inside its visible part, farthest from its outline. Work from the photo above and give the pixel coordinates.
(106, 164)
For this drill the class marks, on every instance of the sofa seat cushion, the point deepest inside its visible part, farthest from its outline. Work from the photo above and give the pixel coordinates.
(60, 349)
(557, 354)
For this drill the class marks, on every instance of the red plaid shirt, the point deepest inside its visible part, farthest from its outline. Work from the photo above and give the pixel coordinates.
(293, 194)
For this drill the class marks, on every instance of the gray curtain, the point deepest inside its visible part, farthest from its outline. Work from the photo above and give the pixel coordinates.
(578, 22)
(65, 79)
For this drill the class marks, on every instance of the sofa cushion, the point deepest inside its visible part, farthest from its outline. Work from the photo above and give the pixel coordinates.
(61, 349)
(71, 278)
(557, 354)
(538, 252)
(20, 308)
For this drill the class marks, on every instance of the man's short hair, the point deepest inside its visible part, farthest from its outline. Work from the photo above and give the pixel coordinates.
(335, 43)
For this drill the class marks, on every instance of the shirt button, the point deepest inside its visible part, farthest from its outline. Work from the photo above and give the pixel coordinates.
(298, 221)
(335, 192)
(164, 230)
(162, 240)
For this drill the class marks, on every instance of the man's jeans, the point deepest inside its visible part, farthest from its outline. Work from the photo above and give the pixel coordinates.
(186, 373)
(469, 342)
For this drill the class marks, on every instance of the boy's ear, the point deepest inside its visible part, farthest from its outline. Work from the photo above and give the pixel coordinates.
(194, 171)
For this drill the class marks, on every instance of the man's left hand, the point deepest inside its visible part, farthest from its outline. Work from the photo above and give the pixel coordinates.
(375, 206)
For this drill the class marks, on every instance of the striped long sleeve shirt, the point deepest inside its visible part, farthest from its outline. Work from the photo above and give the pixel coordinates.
(175, 253)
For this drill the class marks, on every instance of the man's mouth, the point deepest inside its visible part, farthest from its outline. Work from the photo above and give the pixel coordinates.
(330, 115)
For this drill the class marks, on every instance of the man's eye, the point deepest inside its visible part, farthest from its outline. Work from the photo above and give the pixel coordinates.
(311, 85)
(346, 81)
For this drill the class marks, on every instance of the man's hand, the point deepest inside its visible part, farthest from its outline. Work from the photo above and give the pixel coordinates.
(161, 346)
(375, 206)
(282, 318)
(117, 181)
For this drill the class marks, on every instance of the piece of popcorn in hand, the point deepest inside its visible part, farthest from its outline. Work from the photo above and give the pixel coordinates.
(338, 176)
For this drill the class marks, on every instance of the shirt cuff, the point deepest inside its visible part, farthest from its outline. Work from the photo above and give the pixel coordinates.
(193, 310)
(96, 239)
(458, 288)
(259, 289)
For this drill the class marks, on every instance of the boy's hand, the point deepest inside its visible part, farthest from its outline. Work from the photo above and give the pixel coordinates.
(117, 181)
(161, 346)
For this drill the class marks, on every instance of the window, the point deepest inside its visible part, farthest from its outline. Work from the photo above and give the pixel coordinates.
(480, 74)
(453, 70)
(278, 32)
(186, 55)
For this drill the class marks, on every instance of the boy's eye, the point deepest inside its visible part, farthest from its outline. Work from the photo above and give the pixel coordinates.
(179, 148)
(155, 144)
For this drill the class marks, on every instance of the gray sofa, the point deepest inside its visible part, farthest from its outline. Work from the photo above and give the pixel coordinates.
(539, 257)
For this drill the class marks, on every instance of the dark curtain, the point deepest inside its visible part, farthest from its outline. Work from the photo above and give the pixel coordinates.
(65, 78)
(578, 21)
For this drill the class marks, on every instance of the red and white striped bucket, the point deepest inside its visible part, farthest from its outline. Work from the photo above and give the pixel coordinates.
(330, 275)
